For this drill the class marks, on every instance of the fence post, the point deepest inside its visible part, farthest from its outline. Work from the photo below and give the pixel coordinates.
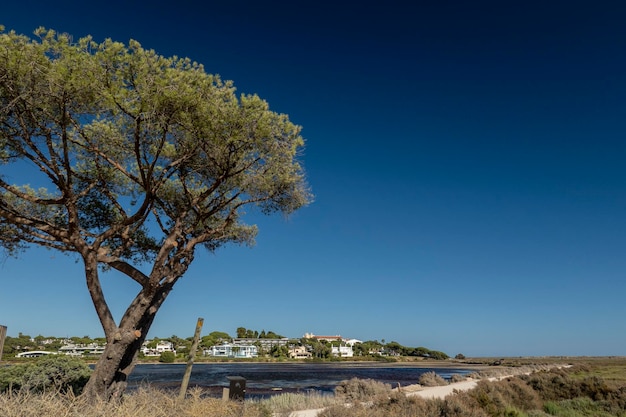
(3, 334)
(192, 354)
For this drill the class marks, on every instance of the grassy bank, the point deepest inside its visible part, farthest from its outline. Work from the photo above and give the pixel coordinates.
(591, 387)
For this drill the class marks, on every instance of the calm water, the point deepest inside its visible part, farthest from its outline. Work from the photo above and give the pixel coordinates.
(264, 379)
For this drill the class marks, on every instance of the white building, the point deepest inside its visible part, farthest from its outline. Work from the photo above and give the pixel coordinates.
(336, 338)
(342, 351)
(80, 350)
(228, 350)
(34, 354)
(161, 347)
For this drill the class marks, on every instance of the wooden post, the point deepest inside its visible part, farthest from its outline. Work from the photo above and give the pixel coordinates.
(192, 354)
(3, 334)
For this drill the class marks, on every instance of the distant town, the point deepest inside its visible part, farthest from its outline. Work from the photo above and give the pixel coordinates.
(247, 344)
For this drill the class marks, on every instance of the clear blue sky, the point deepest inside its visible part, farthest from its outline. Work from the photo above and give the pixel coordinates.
(467, 158)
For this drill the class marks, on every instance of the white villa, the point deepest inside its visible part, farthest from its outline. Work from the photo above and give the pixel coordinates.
(228, 350)
(342, 351)
(34, 354)
(160, 348)
(80, 350)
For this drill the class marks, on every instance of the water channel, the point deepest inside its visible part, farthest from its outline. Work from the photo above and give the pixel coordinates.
(264, 379)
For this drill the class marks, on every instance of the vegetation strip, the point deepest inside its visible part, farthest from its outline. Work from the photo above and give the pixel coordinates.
(576, 391)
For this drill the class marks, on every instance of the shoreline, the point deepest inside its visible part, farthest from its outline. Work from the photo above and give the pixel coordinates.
(442, 391)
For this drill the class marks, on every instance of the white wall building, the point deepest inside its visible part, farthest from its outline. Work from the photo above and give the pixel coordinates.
(158, 349)
(34, 354)
(342, 351)
(228, 350)
(80, 350)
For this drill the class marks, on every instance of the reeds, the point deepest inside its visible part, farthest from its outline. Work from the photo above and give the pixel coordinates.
(288, 402)
(142, 403)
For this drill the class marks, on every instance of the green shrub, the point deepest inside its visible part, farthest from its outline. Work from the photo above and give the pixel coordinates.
(167, 357)
(53, 372)
(11, 377)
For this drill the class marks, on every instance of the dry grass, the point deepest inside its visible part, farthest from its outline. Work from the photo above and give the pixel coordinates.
(288, 402)
(358, 390)
(432, 379)
(150, 402)
(544, 393)
(558, 392)
(143, 403)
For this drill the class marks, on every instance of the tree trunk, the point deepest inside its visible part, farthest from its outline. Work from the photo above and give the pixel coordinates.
(110, 377)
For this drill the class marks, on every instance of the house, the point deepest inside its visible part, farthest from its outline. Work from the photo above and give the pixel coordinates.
(72, 349)
(34, 354)
(265, 344)
(228, 350)
(299, 352)
(352, 342)
(342, 351)
(161, 346)
(336, 338)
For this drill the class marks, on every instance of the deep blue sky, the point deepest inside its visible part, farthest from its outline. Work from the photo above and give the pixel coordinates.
(467, 158)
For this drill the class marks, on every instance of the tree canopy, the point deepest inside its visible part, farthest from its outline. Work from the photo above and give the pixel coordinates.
(132, 161)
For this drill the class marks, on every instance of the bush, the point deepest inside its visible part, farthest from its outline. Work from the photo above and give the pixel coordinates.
(431, 379)
(457, 378)
(53, 372)
(512, 394)
(167, 357)
(357, 389)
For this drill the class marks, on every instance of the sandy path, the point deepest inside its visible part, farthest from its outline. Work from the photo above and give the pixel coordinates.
(434, 392)
(424, 392)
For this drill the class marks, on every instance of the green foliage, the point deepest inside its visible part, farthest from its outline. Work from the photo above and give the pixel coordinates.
(279, 351)
(395, 349)
(85, 340)
(167, 357)
(214, 338)
(435, 354)
(53, 372)
(198, 153)
(319, 348)
(22, 342)
(243, 333)
(180, 344)
(579, 407)
(139, 160)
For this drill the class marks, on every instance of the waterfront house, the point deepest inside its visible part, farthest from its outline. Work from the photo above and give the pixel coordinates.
(299, 352)
(336, 338)
(34, 354)
(161, 346)
(342, 351)
(228, 350)
(265, 344)
(72, 349)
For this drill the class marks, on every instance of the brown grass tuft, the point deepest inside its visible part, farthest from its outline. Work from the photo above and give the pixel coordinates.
(431, 379)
